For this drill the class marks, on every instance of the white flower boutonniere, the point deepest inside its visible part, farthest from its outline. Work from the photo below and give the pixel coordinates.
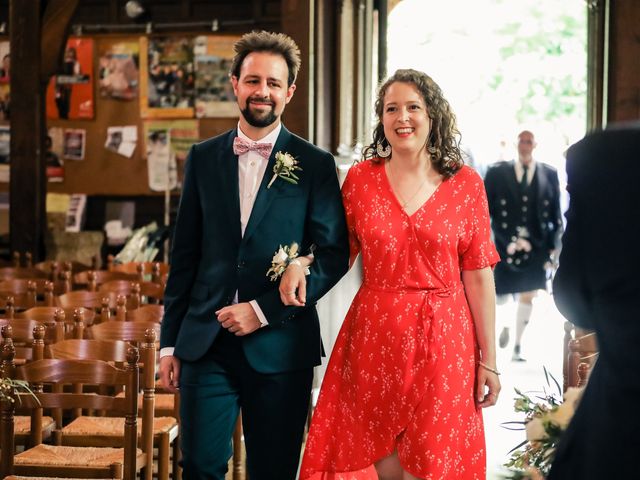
(285, 165)
(281, 260)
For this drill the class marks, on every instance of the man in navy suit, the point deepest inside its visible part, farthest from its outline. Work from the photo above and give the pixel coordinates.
(228, 342)
(524, 204)
(597, 287)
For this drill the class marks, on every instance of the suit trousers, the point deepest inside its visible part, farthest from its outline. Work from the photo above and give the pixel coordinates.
(274, 409)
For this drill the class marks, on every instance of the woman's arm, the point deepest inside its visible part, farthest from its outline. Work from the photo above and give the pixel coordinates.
(480, 291)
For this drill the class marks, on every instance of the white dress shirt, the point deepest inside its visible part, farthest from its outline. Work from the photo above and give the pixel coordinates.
(251, 170)
(531, 169)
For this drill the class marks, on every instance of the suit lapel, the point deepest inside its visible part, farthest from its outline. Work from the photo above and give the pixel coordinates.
(228, 169)
(266, 195)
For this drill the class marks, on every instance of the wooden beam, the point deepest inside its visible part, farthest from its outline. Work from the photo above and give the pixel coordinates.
(56, 22)
(28, 181)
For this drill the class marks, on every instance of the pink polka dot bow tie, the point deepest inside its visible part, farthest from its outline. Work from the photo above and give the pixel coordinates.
(240, 146)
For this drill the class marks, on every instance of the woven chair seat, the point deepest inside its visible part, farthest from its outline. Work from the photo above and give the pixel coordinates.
(57, 456)
(22, 424)
(113, 426)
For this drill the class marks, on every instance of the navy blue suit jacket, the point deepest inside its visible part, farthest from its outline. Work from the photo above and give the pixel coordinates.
(211, 259)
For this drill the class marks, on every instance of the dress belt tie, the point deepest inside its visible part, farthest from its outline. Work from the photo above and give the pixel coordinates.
(432, 327)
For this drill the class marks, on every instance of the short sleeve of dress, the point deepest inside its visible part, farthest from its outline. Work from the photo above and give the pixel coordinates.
(349, 201)
(476, 248)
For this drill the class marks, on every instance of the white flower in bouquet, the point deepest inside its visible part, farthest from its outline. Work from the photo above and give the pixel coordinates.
(535, 430)
(562, 415)
(280, 256)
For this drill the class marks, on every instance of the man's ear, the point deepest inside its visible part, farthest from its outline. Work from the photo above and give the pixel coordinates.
(290, 91)
(234, 83)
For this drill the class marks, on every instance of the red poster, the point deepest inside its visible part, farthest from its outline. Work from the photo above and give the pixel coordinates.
(70, 93)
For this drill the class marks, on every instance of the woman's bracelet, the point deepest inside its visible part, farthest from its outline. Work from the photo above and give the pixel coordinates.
(487, 367)
(297, 262)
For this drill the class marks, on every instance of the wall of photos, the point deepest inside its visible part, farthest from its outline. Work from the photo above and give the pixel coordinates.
(124, 110)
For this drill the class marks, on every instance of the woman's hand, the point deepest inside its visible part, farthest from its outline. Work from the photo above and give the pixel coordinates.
(293, 284)
(488, 387)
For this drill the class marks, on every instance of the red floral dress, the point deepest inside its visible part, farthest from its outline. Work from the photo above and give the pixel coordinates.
(401, 375)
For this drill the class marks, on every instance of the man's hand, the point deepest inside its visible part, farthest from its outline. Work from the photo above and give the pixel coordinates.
(240, 319)
(170, 372)
(293, 281)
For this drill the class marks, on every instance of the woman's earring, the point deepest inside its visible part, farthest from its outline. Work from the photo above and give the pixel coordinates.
(383, 152)
(432, 149)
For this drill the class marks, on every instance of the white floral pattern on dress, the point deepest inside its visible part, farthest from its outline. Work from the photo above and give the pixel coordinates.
(401, 375)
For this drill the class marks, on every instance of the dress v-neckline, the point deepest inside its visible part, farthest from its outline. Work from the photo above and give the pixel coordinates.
(397, 200)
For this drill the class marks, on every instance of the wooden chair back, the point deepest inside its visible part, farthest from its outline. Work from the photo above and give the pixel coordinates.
(7, 273)
(128, 331)
(91, 279)
(152, 271)
(146, 313)
(152, 292)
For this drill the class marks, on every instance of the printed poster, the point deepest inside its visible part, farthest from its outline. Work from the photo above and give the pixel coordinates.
(214, 93)
(70, 93)
(161, 162)
(118, 75)
(167, 88)
(5, 77)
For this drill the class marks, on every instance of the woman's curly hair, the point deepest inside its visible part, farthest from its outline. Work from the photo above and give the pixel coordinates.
(444, 139)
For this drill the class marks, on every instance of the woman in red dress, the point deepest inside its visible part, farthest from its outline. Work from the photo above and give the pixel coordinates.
(414, 361)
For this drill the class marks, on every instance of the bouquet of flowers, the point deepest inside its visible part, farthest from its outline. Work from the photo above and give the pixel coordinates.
(547, 415)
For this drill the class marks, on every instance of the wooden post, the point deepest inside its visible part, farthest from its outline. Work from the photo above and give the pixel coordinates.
(27, 213)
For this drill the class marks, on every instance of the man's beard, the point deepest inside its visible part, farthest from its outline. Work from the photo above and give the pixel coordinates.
(259, 122)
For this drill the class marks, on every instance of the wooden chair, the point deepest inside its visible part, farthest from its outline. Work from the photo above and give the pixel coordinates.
(23, 435)
(86, 299)
(145, 313)
(74, 320)
(105, 431)
(583, 353)
(146, 292)
(67, 461)
(7, 273)
(166, 404)
(13, 286)
(91, 279)
(153, 271)
(54, 267)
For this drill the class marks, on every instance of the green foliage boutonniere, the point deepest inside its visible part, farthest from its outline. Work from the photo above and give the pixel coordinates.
(284, 168)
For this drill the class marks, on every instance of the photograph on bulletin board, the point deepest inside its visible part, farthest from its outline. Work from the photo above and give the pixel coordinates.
(118, 74)
(74, 143)
(70, 92)
(167, 74)
(213, 56)
(5, 78)
(182, 134)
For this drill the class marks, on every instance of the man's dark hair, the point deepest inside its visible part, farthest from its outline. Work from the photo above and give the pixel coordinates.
(262, 41)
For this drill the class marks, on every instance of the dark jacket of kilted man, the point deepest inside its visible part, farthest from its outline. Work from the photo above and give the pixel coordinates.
(531, 212)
